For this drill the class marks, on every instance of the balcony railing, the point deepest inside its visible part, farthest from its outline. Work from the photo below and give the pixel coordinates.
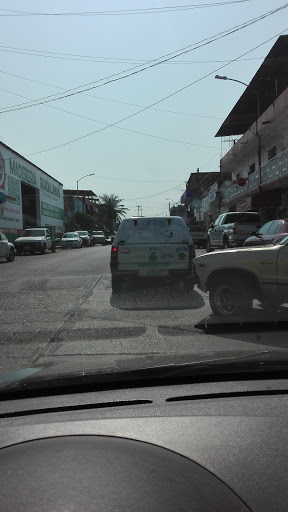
(272, 171)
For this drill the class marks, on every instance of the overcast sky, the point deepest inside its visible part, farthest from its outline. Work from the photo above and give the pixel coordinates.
(135, 166)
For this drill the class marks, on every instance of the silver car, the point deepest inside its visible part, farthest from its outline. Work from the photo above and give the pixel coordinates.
(7, 249)
(71, 240)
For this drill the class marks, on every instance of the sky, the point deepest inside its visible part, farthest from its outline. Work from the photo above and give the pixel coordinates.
(145, 160)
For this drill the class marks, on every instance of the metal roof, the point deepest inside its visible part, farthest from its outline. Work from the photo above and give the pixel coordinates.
(269, 82)
(84, 193)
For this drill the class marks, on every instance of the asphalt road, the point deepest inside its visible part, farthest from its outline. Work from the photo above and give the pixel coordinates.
(58, 309)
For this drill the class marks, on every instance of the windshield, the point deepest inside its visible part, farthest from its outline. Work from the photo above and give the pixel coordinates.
(33, 232)
(70, 235)
(149, 141)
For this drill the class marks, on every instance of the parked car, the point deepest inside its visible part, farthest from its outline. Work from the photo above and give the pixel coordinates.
(144, 247)
(36, 239)
(272, 232)
(98, 237)
(7, 249)
(86, 240)
(234, 278)
(232, 229)
(109, 239)
(70, 240)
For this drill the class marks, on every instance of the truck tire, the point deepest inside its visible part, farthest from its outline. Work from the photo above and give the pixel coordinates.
(226, 243)
(11, 256)
(43, 249)
(230, 297)
(116, 284)
(208, 246)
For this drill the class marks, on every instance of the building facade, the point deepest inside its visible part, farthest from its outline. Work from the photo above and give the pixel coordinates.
(28, 195)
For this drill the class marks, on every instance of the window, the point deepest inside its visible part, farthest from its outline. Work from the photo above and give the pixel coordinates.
(218, 220)
(272, 153)
(264, 230)
(275, 228)
(243, 218)
(252, 168)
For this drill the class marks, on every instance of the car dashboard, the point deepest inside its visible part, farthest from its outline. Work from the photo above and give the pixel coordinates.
(204, 446)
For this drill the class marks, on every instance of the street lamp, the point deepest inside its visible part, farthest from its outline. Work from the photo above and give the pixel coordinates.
(92, 174)
(219, 77)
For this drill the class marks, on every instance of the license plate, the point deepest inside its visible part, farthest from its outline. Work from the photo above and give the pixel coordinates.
(153, 272)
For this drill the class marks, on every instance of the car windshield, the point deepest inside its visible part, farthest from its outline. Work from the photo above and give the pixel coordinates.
(143, 183)
(33, 232)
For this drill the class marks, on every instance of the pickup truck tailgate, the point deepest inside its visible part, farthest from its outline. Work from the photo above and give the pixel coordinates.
(153, 259)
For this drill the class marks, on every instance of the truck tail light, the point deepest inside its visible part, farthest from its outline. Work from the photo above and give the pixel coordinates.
(114, 255)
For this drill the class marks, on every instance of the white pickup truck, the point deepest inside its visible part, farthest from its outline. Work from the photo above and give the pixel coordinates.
(36, 239)
(234, 278)
(232, 229)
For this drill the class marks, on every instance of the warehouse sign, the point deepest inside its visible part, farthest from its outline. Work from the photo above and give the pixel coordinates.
(49, 210)
(47, 186)
(21, 172)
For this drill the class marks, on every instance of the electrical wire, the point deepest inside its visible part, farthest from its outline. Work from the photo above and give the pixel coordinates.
(94, 59)
(157, 194)
(117, 127)
(156, 102)
(74, 91)
(124, 12)
(109, 99)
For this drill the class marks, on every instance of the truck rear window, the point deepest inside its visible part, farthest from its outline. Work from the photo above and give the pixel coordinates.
(243, 218)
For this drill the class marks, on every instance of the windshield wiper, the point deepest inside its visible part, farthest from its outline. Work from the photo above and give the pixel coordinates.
(248, 365)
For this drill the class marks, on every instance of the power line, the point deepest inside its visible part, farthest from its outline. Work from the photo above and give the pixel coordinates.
(118, 127)
(157, 194)
(123, 12)
(156, 102)
(74, 91)
(109, 99)
(94, 59)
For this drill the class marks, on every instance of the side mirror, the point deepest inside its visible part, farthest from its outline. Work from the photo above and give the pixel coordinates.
(212, 225)
(253, 233)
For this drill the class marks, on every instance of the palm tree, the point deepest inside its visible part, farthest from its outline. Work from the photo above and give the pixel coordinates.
(111, 211)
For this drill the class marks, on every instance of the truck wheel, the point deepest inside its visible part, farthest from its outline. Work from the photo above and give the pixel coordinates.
(43, 249)
(11, 255)
(229, 297)
(53, 248)
(116, 284)
(225, 243)
(208, 246)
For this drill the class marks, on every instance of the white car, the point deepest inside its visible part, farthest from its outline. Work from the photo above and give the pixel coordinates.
(146, 247)
(70, 240)
(7, 249)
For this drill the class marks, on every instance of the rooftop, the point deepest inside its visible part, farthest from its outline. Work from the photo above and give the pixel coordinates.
(269, 82)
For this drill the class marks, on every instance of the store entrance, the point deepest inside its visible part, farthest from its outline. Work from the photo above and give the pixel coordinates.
(28, 205)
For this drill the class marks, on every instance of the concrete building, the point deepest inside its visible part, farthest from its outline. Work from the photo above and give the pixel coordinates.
(258, 160)
(197, 190)
(28, 195)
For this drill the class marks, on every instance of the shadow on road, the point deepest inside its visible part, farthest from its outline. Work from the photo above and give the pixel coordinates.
(155, 296)
(264, 327)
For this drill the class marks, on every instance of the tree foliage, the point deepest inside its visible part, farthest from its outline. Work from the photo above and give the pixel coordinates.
(110, 211)
(82, 221)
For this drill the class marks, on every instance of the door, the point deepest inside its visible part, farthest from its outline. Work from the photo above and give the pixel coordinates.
(282, 272)
(3, 245)
(214, 233)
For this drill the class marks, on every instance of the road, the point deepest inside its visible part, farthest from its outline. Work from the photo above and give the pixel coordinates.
(59, 309)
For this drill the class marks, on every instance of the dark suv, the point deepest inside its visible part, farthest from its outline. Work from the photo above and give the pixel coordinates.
(98, 237)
